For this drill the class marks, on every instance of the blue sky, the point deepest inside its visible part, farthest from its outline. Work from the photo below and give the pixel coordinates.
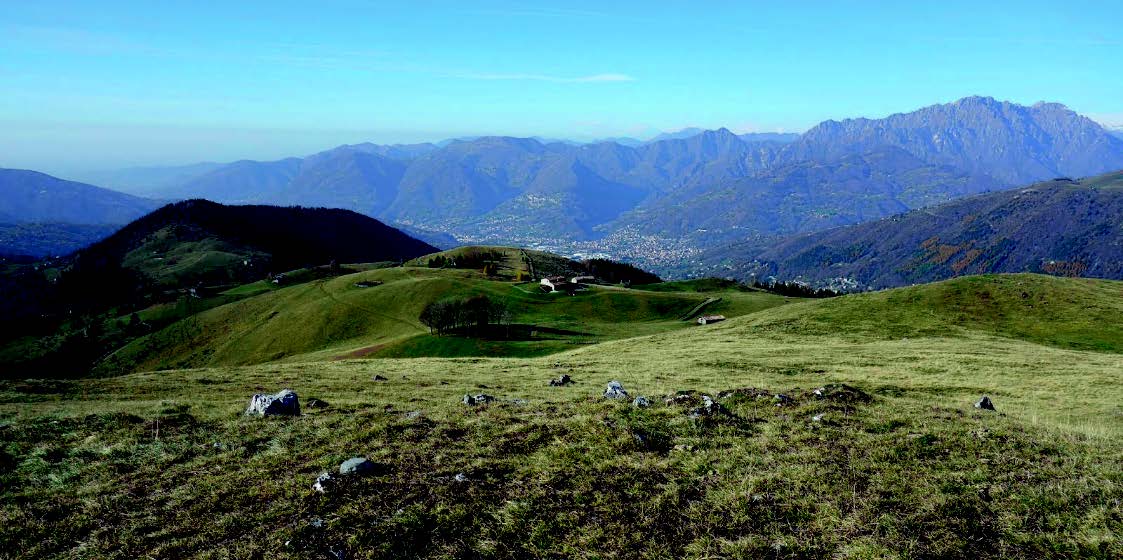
(115, 83)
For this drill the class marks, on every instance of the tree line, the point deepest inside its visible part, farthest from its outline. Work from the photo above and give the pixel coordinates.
(473, 316)
(795, 289)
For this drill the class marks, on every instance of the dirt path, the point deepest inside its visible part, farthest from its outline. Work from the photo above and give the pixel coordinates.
(698, 309)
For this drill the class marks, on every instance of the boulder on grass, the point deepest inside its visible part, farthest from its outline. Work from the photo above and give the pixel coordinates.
(615, 391)
(473, 400)
(357, 466)
(561, 381)
(985, 403)
(284, 403)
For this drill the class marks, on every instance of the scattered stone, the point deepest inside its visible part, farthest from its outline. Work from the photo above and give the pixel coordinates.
(709, 407)
(284, 403)
(817, 418)
(460, 477)
(641, 402)
(219, 446)
(782, 399)
(561, 381)
(357, 466)
(985, 403)
(317, 403)
(842, 393)
(324, 483)
(380, 378)
(412, 415)
(744, 392)
(615, 391)
(316, 523)
(519, 402)
(481, 398)
(682, 398)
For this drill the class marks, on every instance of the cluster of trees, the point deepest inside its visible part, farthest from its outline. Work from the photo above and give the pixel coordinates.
(468, 259)
(614, 272)
(795, 289)
(473, 316)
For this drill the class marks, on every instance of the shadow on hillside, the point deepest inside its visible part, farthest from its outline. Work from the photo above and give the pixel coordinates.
(515, 332)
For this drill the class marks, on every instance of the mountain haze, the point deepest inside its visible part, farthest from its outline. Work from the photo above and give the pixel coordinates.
(33, 197)
(710, 186)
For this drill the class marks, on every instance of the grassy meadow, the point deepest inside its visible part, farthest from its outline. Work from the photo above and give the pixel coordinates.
(336, 318)
(892, 461)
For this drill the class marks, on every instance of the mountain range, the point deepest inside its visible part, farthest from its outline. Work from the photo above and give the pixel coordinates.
(667, 200)
(1060, 227)
(504, 189)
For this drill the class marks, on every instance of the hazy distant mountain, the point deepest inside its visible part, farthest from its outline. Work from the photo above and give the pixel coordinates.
(30, 196)
(468, 178)
(349, 178)
(677, 135)
(1058, 227)
(781, 137)
(403, 152)
(622, 140)
(567, 199)
(806, 196)
(1012, 143)
(147, 181)
(241, 182)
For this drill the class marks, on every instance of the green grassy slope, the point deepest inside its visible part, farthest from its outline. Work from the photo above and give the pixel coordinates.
(1063, 312)
(898, 465)
(335, 318)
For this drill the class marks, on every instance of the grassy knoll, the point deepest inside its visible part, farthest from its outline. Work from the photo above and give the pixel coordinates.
(898, 464)
(335, 318)
(511, 261)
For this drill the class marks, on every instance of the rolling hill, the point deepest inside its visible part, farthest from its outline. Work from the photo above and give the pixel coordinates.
(841, 428)
(1063, 227)
(375, 314)
(59, 317)
(195, 241)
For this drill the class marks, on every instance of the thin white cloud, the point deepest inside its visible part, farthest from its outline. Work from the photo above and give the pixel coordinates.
(592, 78)
(1113, 121)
